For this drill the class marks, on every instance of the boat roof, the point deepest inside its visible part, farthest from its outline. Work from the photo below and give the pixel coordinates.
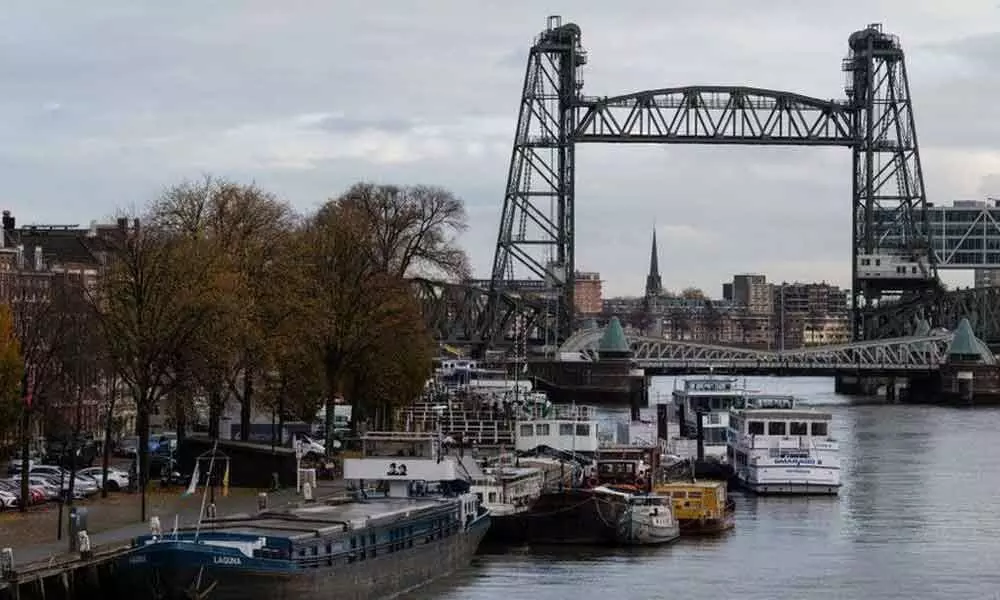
(786, 413)
(326, 519)
(687, 485)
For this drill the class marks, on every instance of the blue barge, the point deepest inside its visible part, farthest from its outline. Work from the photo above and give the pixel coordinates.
(421, 525)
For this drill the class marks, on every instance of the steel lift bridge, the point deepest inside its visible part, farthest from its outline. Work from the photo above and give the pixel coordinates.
(530, 292)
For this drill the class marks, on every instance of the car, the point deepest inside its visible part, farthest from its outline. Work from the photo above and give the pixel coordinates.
(117, 479)
(8, 501)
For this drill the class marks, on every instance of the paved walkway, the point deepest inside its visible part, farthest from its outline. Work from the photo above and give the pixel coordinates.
(106, 530)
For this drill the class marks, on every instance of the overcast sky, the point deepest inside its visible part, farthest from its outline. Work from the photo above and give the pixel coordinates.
(108, 102)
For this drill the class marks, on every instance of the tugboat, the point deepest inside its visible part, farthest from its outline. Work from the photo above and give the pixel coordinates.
(701, 507)
(422, 523)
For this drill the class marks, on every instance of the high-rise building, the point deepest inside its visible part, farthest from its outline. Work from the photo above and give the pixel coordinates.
(587, 293)
(751, 290)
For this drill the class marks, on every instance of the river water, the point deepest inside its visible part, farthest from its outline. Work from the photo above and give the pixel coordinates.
(917, 517)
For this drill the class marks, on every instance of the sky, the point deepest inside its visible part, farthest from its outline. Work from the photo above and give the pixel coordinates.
(107, 103)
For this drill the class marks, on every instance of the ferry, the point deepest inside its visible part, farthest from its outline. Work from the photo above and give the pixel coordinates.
(701, 507)
(711, 397)
(777, 448)
(419, 524)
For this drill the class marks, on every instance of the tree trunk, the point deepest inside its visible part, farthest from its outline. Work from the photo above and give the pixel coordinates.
(246, 404)
(180, 417)
(108, 425)
(332, 388)
(74, 446)
(25, 461)
(142, 468)
(214, 412)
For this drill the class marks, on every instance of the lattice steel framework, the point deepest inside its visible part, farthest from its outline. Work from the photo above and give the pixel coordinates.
(925, 353)
(944, 309)
(536, 237)
(888, 185)
(461, 315)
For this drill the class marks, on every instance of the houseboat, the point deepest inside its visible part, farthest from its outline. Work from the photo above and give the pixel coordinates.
(777, 448)
(710, 400)
(422, 524)
(508, 491)
(700, 507)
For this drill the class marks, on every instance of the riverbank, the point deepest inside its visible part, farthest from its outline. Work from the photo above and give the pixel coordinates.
(115, 520)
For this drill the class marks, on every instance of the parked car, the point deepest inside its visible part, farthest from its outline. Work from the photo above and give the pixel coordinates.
(117, 479)
(8, 500)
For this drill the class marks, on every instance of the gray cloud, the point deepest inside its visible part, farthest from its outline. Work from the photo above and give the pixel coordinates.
(107, 104)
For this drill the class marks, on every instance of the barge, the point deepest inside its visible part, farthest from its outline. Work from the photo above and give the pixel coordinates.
(418, 523)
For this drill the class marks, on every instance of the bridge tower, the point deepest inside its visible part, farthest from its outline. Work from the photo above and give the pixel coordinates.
(891, 255)
(536, 238)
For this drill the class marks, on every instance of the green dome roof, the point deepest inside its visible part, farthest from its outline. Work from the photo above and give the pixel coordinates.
(613, 339)
(966, 346)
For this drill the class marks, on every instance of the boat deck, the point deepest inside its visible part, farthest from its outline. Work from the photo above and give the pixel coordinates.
(325, 519)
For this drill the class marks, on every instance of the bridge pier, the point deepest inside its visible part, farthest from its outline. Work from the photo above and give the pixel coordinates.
(855, 384)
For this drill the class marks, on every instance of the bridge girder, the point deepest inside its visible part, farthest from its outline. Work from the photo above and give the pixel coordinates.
(711, 114)
(923, 353)
(941, 309)
(460, 315)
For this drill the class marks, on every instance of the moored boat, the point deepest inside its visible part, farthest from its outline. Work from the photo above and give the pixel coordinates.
(421, 525)
(700, 507)
(776, 448)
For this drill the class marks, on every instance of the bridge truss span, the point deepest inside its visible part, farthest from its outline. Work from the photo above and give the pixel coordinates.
(715, 114)
(904, 354)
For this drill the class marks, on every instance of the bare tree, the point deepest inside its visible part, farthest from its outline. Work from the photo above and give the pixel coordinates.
(413, 228)
(155, 297)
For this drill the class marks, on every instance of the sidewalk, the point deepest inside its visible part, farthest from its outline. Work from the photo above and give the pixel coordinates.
(115, 520)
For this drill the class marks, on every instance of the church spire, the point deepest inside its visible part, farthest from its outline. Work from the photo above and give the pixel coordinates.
(654, 287)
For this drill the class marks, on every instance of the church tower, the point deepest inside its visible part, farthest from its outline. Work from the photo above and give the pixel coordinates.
(654, 287)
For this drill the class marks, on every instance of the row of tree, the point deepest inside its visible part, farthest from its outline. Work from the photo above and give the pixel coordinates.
(220, 290)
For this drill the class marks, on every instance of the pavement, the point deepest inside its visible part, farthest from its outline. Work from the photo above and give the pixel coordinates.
(115, 521)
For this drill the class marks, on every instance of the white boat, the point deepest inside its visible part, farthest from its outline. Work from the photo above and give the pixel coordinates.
(648, 520)
(568, 428)
(470, 375)
(507, 489)
(713, 397)
(777, 448)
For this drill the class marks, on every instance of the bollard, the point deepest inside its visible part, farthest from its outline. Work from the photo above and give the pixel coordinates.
(275, 482)
(211, 510)
(154, 526)
(6, 563)
(307, 492)
(262, 501)
(83, 541)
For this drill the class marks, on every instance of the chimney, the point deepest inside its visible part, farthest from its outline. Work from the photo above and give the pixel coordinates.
(8, 221)
(38, 258)
(20, 256)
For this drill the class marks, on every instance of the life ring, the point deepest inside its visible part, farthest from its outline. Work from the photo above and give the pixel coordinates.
(592, 482)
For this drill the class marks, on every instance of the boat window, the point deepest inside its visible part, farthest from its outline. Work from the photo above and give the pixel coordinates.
(798, 428)
(693, 494)
(583, 429)
(755, 427)
(542, 429)
(819, 428)
(565, 429)
(776, 428)
(680, 494)
(493, 496)
(526, 430)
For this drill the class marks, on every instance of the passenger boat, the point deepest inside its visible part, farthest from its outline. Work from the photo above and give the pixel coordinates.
(776, 448)
(709, 400)
(700, 507)
(421, 524)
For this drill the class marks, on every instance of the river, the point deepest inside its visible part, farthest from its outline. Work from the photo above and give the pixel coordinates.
(916, 518)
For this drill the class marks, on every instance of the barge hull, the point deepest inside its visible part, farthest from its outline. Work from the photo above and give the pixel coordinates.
(791, 489)
(383, 576)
